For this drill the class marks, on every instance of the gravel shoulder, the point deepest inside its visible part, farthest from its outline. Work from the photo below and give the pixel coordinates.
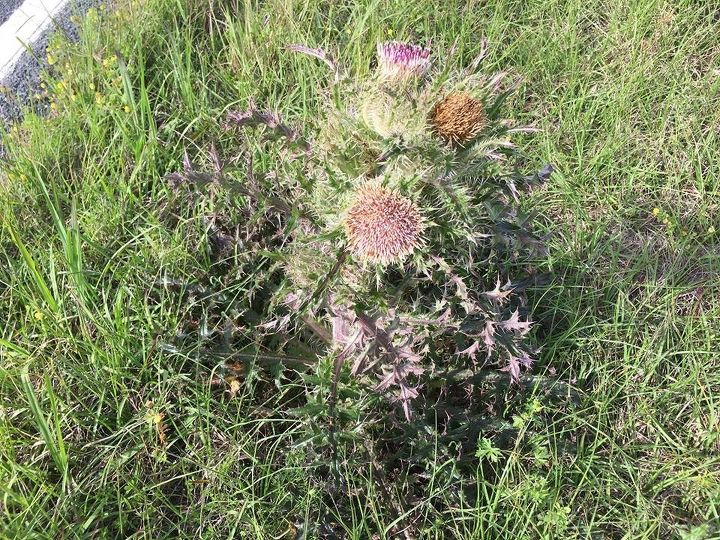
(7, 8)
(21, 81)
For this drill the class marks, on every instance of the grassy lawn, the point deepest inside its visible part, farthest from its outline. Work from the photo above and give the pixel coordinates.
(118, 421)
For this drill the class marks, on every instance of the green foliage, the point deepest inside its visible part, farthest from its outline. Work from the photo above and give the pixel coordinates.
(154, 381)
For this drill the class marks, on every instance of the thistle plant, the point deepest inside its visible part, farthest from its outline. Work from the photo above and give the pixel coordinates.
(400, 228)
(413, 192)
(382, 226)
(386, 254)
(458, 118)
(402, 61)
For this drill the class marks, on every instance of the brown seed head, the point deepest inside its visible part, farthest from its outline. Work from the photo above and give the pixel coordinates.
(458, 117)
(381, 225)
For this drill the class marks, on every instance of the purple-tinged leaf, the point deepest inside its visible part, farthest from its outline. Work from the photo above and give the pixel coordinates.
(514, 324)
(399, 373)
(253, 117)
(475, 64)
(515, 363)
(471, 351)
(498, 295)
(488, 335)
(513, 368)
(318, 53)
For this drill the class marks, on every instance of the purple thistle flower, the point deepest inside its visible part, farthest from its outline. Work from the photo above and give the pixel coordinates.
(382, 226)
(397, 60)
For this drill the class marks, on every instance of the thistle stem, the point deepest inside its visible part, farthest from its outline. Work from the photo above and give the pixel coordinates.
(342, 257)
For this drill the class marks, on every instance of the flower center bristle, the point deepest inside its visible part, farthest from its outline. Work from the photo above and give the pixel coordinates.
(402, 61)
(382, 226)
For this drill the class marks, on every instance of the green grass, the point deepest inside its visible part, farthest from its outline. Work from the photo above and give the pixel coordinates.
(106, 431)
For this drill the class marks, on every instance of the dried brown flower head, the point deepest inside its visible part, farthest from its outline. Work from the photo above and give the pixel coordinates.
(458, 117)
(381, 225)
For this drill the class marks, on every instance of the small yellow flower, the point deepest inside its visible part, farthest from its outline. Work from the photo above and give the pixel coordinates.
(51, 59)
(711, 230)
(127, 109)
(665, 221)
(655, 211)
(91, 86)
(153, 416)
(38, 316)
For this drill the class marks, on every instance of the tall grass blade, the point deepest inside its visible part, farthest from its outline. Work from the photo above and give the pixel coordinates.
(35, 273)
(52, 437)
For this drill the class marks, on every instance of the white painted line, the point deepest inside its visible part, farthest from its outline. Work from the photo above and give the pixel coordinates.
(24, 26)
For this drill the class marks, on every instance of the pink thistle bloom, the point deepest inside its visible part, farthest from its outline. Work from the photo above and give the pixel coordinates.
(399, 61)
(382, 226)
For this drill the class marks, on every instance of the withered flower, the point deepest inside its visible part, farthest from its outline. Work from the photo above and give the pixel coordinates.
(458, 118)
